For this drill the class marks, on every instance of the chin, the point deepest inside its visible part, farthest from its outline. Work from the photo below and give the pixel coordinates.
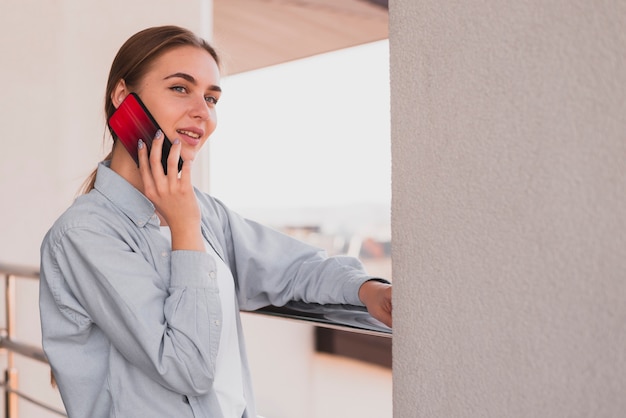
(189, 156)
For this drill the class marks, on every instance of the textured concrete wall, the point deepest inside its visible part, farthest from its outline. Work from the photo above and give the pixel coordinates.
(509, 208)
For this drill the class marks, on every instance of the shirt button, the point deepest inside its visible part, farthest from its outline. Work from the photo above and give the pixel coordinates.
(212, 274)
(164, 254)
(217, 323)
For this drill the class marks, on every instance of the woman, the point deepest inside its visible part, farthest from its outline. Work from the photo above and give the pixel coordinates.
(143, 277)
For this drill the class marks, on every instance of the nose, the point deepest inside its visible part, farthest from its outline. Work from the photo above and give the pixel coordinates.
(200, 108)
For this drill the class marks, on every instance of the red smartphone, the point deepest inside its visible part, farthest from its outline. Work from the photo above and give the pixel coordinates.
(131, 122)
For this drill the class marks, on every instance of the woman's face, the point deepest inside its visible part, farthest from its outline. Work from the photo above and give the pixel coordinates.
(181, 90)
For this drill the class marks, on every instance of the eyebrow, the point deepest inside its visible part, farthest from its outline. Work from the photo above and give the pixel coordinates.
(192, 80)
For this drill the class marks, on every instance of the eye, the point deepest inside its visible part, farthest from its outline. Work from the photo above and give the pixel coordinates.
(179, 89)
(211, 99)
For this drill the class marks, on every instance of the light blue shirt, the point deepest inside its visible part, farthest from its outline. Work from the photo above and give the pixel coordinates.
(132, 328)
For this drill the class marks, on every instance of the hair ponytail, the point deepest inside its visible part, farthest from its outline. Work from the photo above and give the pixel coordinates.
(90, 181)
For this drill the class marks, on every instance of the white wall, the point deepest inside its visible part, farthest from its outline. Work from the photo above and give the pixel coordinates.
(509, 197)
(292, 381)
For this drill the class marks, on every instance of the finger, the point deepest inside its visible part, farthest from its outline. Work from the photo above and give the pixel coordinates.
(144, 163)
(381, 314)
(155, 154)
(172, 159)
(185, 172)
(385, 315)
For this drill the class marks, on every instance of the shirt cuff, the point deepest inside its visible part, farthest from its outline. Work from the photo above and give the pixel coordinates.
(192, 269)
(379, 279)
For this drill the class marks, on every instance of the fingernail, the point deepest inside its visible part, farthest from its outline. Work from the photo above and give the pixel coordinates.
(140, 144)
(158, 134)
(176, 141)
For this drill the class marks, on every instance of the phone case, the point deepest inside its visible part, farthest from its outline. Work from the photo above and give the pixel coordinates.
(132, 121)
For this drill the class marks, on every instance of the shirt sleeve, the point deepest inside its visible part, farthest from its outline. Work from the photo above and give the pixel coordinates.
(171, 334)
(274, 268)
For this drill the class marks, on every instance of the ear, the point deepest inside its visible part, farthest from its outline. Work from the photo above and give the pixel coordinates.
(119, 93)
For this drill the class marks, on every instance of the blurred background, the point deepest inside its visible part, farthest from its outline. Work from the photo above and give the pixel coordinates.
(303, 145)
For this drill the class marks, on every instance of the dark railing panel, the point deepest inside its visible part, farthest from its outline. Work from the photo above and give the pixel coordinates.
(341, 317)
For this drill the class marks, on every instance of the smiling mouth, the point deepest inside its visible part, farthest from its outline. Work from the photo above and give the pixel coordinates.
(189, 133)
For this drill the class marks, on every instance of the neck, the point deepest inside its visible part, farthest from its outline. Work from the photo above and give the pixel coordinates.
(124, 165)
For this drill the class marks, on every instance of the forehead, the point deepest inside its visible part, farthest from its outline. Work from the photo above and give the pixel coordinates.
(191, 60)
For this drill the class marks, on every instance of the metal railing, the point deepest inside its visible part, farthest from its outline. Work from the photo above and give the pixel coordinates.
(349, 318)
(11, 273)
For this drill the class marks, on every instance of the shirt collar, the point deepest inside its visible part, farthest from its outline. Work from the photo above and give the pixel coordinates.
(124, 196)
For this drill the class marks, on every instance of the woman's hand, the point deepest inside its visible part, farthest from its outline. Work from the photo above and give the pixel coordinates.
(376, 296)
(172, 194)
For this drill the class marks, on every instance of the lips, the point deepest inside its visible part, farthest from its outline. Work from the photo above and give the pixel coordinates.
(191, 136)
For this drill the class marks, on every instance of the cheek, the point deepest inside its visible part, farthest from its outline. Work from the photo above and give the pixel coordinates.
(191, 153)
(167, 124)
(163, 118)
(212, 123)
(213, 115)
